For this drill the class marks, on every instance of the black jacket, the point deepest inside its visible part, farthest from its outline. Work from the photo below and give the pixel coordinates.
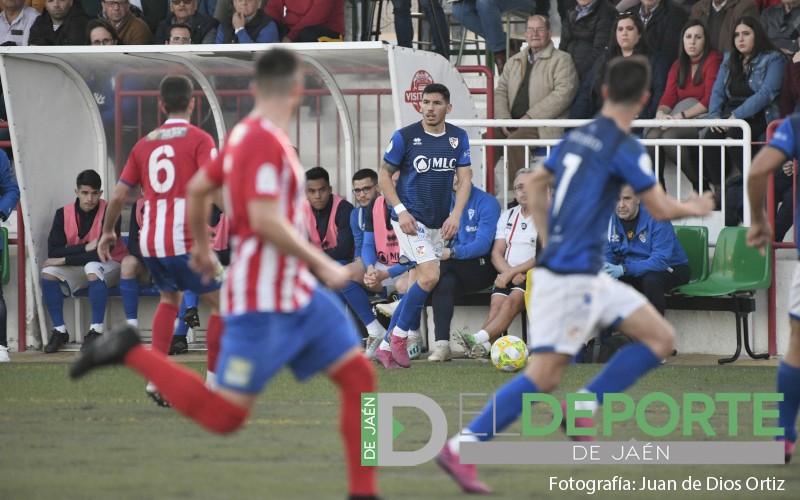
(586, 39)
(71, 32)
(202, 26)
(260, 21)
(663, 31)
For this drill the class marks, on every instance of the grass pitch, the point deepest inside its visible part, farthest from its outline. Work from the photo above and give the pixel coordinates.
(103, 438)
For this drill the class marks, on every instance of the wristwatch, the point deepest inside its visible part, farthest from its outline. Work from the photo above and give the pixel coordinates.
(624, 269)
(453, 253)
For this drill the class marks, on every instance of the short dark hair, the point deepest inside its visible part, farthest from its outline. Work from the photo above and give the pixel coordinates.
(101, 23)
(176, 93)
(276, 72)
(179, 25)
(89, 178)
(365, 173)
(317, 173)
(627, 78)
(437, 88)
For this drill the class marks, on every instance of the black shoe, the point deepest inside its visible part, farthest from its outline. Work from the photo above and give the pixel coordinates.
(179, 345)
(89, 338)
(191, 318)
(108, 350)
(153, 394)
(57, 340)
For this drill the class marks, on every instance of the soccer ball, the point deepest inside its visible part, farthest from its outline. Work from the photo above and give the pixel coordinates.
(509, 354)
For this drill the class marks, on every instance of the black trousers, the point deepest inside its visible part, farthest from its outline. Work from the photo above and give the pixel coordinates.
(654, 285)
(457, 277)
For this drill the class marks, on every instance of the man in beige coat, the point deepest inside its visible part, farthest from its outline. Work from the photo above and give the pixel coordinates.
(539, 83)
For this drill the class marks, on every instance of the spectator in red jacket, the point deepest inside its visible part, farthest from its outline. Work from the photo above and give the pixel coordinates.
(308, 20)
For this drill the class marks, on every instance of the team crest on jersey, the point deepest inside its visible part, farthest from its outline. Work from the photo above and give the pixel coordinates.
(420, 250)
(471, 212)
(454, 142)
(417, 141)
(643, 236)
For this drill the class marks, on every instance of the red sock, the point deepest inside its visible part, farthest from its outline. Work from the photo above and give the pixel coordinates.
(163, 327)
(186, 391)
(354, 377)
(213, 337)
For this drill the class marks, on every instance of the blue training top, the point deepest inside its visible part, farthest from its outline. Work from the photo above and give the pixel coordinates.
(785, 139)
(590, 166)
(427, 164)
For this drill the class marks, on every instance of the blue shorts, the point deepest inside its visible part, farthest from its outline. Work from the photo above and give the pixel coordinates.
(257, 345)
(172, 274)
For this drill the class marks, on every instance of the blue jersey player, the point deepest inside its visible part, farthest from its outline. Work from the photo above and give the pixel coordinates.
(785, 145)
(427, 154)
(571, 298)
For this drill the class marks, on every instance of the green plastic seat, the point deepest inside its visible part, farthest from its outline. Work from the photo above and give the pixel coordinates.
(6, 272)
(736, 267)
(694, 240)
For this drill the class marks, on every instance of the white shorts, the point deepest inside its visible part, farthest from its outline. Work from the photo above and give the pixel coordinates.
(794, 294)
(422, 247)
(73, 278)
(568, 309)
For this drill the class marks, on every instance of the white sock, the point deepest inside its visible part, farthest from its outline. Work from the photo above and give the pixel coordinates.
(400, 333)
(211, 379)
(487, 346)
(133, 322)
(587, 405)
(385, 346)
(98, 327)
(62, 328)
(464, 437)
(443, 342)
(375, 329)
(481, 336)
(415, 336)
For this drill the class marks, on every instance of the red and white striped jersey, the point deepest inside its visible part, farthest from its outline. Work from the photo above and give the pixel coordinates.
(258, 162)
(163, 162)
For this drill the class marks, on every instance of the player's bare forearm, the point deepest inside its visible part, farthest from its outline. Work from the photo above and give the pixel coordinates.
(275, 229)
(499, 256)
(386, 184)
(198, 208)
(463, 191)
(115, 207)
(663, 207)
(766, 161)
(539, 204)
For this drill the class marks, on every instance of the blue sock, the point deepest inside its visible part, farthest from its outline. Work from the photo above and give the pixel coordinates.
(356, 297)
(393, 321)
(413, 303)
(190, 299)
(623, 370)
(789, 385)
(54, 300)
(129, 289)
(98, 298)
(508, 408)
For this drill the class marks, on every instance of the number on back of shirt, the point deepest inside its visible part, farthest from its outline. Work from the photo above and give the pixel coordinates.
(571, 163)
(160, 162)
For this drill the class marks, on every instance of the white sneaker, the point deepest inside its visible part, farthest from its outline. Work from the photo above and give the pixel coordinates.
(440, 353)
(4, 354)
(387, 309)
(372, 346)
